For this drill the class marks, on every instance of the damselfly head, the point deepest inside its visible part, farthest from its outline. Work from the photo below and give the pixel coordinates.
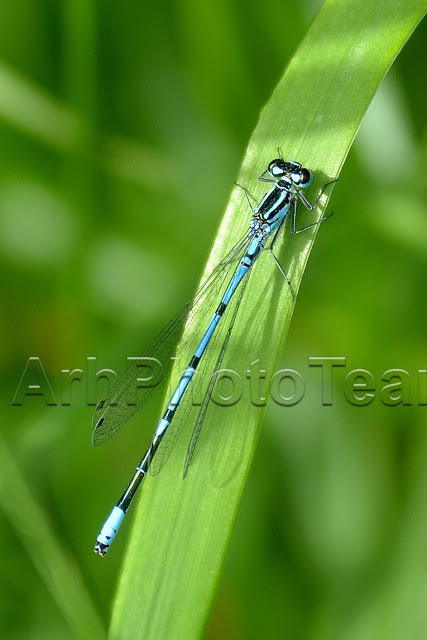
(292, 171)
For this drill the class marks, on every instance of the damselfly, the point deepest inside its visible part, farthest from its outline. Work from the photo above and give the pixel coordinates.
(268, 218)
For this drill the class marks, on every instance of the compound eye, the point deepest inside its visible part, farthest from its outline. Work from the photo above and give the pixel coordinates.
(275, 168)
(306, 177)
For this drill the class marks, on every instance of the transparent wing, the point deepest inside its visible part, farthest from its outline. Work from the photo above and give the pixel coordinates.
(134, 387)
(197, 397)
(218, 366)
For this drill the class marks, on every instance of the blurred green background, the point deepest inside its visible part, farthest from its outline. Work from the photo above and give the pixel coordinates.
(121, 131)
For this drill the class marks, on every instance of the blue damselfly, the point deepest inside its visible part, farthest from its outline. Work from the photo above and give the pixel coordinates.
(268, 218)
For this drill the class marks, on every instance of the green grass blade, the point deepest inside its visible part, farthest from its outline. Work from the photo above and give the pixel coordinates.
(56, 566)
(182, 528)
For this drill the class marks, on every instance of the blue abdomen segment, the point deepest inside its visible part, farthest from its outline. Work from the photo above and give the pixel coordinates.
(239, 274)
(179, 391)
(252, 252)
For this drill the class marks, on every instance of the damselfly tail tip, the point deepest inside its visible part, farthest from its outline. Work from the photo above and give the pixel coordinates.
(101, 548)
(109, 530)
